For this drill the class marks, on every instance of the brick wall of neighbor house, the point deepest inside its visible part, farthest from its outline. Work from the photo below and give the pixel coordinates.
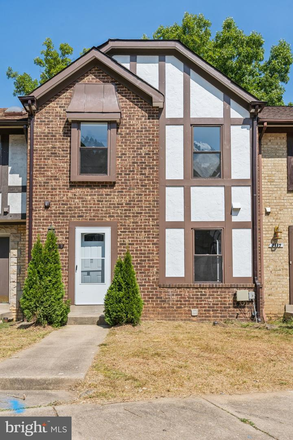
(17, 263)
(133, 201)
(276, 196)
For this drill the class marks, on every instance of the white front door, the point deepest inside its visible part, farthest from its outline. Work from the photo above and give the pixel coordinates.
(92, 265)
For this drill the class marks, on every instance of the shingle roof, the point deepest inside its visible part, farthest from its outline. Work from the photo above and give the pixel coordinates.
(277, 114)
(12, 116)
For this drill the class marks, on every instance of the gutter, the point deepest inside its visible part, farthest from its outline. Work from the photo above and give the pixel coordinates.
(29, 103)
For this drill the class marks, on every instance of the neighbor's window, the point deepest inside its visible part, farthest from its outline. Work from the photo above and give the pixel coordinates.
(93, 151)
(208, 255)
(93, 148)
(206, 152)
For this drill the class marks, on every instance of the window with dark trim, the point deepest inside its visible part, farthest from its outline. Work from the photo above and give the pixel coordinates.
(93, 151)
(208, 259)
(206, 152)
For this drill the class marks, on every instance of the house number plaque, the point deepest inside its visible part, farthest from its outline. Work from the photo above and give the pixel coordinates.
(276, 245)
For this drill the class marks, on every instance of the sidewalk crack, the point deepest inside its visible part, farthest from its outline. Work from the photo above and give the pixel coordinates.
(240, 418)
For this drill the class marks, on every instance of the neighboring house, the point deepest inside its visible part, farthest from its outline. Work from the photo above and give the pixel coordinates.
(142, 143)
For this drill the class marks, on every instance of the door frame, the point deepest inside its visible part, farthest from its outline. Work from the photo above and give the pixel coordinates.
(290, 257)
(71, 250)
(4, 235)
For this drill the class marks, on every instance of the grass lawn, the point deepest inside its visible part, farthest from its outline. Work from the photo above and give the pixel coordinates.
(13, 340)
(159, 359)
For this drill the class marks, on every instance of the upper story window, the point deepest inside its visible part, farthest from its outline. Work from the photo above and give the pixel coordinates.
(94, 113)
(94, 148)
(206, 152)
(93, 151)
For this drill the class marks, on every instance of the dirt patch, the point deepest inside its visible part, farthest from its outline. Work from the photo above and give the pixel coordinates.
(13, 339)
(159, 359)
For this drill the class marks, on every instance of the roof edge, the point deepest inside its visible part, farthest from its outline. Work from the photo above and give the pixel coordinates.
(177, 45)
(94, 54)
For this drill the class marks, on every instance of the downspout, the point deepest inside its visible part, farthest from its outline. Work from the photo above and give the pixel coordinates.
(31, 183)
(30, 105)
(255, 218)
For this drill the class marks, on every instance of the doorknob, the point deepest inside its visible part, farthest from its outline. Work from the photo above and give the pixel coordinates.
(76, 268)
(290, 262)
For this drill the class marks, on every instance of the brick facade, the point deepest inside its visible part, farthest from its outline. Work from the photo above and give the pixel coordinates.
(275, 196)
(133, 201)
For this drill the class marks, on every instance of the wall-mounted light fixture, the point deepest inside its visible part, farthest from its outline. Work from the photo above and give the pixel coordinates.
(267, 210)
(277, 233)
(46, 204)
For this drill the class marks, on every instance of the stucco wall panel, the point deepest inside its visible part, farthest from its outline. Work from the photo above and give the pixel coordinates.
(207, 203)
(174, 152)
(148, 69)
(17, 203)
(242, 195)
(174, 88)
(17, 160)
(175, 204)
(123, 59)
(240, 151)
(206, 101)
(174, 252)
(237, 111)
(242, 252)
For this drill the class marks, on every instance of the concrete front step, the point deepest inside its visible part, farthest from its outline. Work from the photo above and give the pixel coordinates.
(86, 315)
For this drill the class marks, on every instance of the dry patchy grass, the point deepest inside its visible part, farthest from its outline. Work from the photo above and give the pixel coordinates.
(159, 359)
(13, 339)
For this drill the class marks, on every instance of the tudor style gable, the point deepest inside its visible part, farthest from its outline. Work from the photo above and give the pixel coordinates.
(206, 162)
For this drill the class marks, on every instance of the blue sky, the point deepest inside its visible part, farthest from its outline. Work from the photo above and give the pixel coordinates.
(25, 25)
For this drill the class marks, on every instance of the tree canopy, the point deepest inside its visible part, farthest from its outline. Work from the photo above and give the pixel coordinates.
(239, 56)
(51, 62)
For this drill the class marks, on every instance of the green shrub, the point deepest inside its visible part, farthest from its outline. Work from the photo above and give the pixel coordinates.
(32, 290)
(43, 297)
(133, 301)
(123, 303)
(114, 299)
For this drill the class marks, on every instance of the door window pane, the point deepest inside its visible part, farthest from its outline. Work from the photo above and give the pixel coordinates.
(208, 255)
(94, 148)
(97, 273)
(206, 152)
(92, 263)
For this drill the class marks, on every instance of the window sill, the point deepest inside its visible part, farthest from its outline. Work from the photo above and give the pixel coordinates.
(93, 178)
(207, 285)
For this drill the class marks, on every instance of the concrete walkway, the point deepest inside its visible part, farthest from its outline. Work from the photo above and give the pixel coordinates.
(58, 361)
(253, 416)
